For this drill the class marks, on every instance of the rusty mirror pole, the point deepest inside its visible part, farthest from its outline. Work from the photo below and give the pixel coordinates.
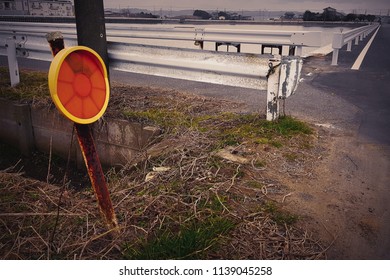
(79, 86)
(91, 32)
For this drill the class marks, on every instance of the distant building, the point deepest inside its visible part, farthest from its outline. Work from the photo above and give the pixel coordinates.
(330, 11)
(58, 8)
(13, 7)
(330, 14)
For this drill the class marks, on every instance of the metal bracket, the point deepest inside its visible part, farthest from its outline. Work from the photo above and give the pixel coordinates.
(198, 38)
(20, 42)
(199, 34)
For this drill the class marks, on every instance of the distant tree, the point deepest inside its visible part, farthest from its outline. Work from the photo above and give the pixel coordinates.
(202, 14)
(371, 18)
(329, 15)
(350, 17)
(306, 15)
(146, 15)
(309, 16)
(361, 17)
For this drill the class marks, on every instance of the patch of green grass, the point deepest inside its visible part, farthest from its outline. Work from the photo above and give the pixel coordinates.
(173, 186)
(261, 140)
(211, 119)
(191, 242)
(168, 119)
(214, 204)
(288, 126)
(230, 139)
(279, 216)
(250, 127)
(229, 129)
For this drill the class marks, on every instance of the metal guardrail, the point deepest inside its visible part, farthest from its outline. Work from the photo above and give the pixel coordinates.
(242, 70)
(295, 40)
(279, 76)
(342, 39)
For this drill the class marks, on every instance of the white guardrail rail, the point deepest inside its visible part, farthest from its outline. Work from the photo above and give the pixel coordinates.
(295, 40)
(342, 39)
(278, 75)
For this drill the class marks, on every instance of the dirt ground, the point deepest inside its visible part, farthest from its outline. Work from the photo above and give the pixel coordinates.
(347, 202)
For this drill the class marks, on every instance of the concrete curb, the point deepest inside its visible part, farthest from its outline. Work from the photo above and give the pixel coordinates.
(28, 129)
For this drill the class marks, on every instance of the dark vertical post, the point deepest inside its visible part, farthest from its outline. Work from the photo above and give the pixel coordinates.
(91, 27)
(91, 32)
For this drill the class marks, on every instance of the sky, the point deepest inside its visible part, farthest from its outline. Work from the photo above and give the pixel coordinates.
(372, 6)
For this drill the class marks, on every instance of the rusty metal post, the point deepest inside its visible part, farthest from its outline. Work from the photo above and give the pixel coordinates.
(96, 175)
(88, 149)
(56, 41)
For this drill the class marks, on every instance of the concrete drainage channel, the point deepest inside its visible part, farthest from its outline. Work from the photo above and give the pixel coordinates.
(117, 141)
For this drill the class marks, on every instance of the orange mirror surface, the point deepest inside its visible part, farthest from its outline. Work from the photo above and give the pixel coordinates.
(78, 84)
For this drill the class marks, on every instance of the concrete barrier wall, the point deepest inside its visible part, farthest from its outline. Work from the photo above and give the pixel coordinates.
(117, 141)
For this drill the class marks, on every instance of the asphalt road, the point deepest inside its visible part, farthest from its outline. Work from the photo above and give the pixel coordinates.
(367, 88)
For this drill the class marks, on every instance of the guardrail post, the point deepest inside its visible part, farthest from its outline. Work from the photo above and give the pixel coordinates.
(335, 57)
(349, 46)
(273, 78)
(337, 44)
(12, 62)
(357, 41)
(298, 51)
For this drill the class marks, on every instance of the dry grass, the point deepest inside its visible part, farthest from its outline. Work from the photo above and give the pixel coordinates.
(196, 190)
(181, 202)
(32, 89)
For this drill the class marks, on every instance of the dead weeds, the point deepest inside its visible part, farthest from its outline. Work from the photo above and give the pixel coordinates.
(182, 201)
